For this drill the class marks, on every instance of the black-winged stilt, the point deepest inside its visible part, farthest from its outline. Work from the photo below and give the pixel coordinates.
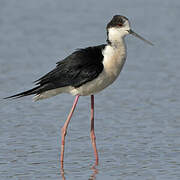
(86, 72)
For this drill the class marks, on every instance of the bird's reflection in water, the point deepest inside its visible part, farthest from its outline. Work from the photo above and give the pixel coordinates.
(92, 177)
(62, 173)
(95, 171)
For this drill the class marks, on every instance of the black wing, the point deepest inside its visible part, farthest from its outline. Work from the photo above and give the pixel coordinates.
(80, 67)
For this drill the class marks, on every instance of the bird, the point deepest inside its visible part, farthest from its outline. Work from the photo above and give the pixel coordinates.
(86, 72)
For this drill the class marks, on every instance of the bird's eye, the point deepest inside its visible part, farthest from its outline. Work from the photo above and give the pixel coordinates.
(120, 24)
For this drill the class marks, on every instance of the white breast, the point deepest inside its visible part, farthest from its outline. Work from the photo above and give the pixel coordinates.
(114, 58)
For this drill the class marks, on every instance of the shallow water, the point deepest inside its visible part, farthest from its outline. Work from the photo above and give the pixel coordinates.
(137, 119)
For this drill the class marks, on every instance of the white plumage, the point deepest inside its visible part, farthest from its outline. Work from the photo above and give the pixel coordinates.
(113, 61)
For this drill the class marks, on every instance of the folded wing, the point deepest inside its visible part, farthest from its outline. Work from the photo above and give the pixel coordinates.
(80, 67)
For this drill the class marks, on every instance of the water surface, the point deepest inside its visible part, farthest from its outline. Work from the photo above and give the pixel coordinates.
(137, 119)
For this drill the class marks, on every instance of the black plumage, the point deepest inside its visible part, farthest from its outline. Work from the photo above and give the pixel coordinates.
(116, 21)
(78, 68)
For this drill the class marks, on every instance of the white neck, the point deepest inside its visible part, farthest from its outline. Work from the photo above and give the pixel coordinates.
(116, 36)
(114, 56)
(120, 43)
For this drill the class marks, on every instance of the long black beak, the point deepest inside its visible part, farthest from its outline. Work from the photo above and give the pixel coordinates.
(138, 36)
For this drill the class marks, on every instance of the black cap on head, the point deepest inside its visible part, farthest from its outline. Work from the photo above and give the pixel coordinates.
(116, 21)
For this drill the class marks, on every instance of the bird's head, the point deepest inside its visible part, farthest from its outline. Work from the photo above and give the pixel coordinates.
(118, 28)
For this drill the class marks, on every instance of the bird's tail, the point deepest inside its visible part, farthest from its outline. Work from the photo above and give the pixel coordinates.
(25, 93)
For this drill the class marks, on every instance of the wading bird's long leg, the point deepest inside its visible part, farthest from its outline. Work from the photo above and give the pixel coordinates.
(64, 129)
(93, 137)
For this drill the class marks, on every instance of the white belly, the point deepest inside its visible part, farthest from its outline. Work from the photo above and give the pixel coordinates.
(114, 58)
(94, 86)
(113, 62)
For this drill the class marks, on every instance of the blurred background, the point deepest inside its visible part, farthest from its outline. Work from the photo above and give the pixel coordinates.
(137, 119)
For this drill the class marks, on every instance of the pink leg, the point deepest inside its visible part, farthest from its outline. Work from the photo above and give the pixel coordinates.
(64, 129)
(93, 137)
